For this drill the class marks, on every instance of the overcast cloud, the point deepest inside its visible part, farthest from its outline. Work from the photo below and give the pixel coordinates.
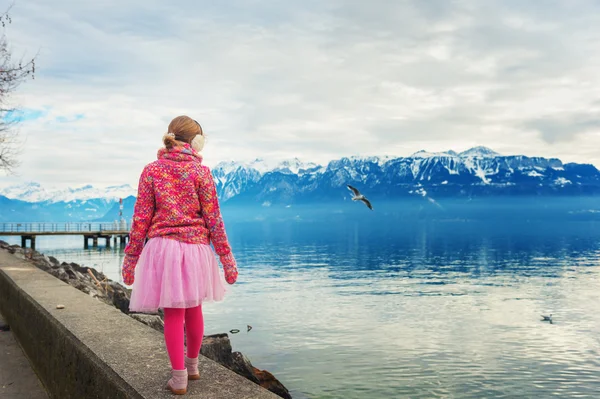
(314, 79)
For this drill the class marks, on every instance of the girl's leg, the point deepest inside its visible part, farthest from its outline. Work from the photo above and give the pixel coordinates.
(174, 336)
(194, 330)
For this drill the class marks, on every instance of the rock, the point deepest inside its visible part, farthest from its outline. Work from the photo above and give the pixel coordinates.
(121, 301)
(53, 261)
(269, 382)
(119, 296)
(218, 348)
(70, 273)
(60, 274)
(81, 286)
(86, 270)
(36, 256)
(13, 248)
(243, 367)
(42, 264)
(151, 320)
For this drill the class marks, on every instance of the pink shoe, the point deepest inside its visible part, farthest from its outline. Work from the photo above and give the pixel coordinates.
(178, 382)
(192, 368)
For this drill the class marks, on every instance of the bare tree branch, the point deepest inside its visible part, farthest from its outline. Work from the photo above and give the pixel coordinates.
(5, 16)
(12, 74)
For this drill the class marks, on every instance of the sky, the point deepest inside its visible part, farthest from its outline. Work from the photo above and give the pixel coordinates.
(317, 80)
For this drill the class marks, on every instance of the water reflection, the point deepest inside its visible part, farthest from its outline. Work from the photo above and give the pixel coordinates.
(432, 310)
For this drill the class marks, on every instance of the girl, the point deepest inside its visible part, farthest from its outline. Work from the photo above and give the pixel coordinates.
(178, 212)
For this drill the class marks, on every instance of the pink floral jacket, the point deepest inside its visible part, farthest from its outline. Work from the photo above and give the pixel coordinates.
(177, 199)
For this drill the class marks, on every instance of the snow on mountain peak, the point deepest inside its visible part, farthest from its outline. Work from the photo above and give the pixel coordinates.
(295, 166)
(263, 166)
(426, 154)
(34, 192)
(475, 152)
(258, 164)
(379, 160)
(226, 166)
(29, 192)
(479, 152)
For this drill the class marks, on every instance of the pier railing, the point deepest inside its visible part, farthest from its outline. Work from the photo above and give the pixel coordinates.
(65, 227)
(90, 230)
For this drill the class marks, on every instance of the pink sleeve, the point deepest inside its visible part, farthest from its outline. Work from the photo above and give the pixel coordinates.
(142, 215)
(211, 213)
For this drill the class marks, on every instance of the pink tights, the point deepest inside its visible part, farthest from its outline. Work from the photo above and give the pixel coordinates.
(194, 330)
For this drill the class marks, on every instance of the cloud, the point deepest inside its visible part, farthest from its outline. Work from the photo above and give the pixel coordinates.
(317, 80)
(564, 128)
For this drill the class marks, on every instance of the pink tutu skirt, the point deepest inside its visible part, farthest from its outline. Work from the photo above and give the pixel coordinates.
(174, 274)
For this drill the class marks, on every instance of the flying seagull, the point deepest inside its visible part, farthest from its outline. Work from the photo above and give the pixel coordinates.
(359, 197)
(547, 318)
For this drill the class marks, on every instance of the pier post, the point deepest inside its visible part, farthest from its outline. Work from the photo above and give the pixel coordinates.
(85, 242)
(95, 241)
(31, 242)
(108, 241)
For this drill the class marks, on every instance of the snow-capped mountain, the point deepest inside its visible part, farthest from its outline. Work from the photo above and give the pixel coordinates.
(31, 202)
(233, 178)
(34, 192)
(28, 192)
(477, 171)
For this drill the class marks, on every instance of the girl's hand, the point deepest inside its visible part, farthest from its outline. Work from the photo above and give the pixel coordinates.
(231, 274)
(230, 268)
(128, 270)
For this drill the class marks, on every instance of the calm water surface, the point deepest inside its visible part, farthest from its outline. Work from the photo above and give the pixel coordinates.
(386, 307)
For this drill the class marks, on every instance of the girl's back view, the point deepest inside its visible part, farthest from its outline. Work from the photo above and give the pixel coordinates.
(178, 212)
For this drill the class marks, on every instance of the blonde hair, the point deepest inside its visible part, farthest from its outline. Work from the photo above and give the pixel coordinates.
(181, 129)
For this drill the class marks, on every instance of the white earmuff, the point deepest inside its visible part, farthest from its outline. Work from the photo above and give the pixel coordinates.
(198, 143)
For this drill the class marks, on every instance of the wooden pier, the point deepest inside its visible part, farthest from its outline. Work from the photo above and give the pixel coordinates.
(90, 231)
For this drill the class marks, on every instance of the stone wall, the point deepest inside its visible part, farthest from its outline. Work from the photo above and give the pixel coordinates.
(81, 348)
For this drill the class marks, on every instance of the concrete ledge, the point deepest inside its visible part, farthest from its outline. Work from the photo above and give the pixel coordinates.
(91, 350)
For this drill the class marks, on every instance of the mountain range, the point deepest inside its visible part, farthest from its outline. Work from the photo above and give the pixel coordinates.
(476, 172)
(34, 192)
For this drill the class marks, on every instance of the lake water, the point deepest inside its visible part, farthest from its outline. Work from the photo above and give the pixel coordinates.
(409, 301)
